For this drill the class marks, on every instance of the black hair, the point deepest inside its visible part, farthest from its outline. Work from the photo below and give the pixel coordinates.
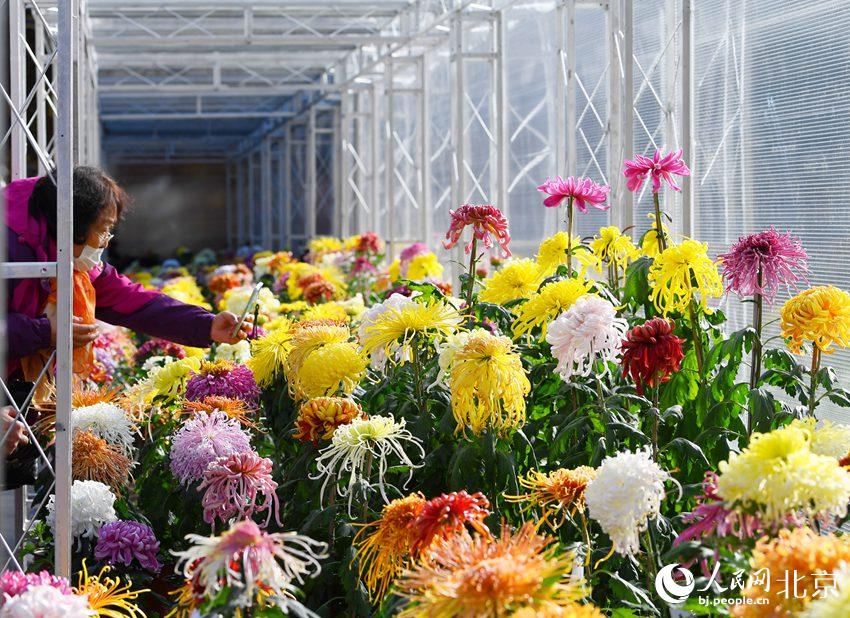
(94, 192)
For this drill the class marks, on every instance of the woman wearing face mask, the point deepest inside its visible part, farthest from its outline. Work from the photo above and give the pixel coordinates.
(99, 291)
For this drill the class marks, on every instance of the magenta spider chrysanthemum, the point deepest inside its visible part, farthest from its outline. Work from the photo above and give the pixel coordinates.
(121, 542)
(223, 379)
(203, 439)
(232, 485)
(583, 191)
(660, 167)
(779, 258)
(487, 223)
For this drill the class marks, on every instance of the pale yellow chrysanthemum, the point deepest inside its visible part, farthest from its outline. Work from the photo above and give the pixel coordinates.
(553, 252)
(829, 438)
(326, 311)
(424, 266)
(611, 246)
(488, 384)
(680, 273)
(235, 299)
(395, 270)
(780, 475)
(394, 330)
(283, 321)
(324, 244)
(170, 380)
(835, 604)
(479, 576)
(820, 316)
(186, 290)
(269, 353)
(517, 278)
(547, 304)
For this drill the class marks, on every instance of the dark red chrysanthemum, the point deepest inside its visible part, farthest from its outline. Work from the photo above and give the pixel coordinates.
(369, 243)
(651, 352)
(446, 515)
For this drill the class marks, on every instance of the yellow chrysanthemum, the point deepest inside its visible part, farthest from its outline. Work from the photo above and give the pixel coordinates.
(649, 245)
(107, 596)
(331, 368)
(283, 321)
(395, 329)
(679, 273)
(611, 246)
(547, 304)
(186, 290)
(269, 353)
(828, 439)
(170, 380)
(310, 336)
(384, 547)
(319, 417)
(788, 571)
(819, 315)
(479, 576)
(324, 244)
(424, 266)
(235, 299)
(557, 493)
(517, 278)
(569, 610)
(780, 475)
(297, 271)
(488, 384)
(553, 252)
(326, 311)
(395, 270)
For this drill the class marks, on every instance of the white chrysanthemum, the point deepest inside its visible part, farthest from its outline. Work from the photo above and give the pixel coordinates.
(156, 362)
(248, 559)
(370, 317)
(626, 493)
(835, 601)
(237, 352)
(831, 439)
(46, 602)
(92, 505)
(588, 330)
(236, 299)
(365, 440)
(353, 306)
(105, 420)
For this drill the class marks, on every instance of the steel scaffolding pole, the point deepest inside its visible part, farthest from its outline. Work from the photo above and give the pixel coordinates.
(287, 198)
(17, 87)
(425, 207)
(266, 193)
(240, 202)
(230, 203)
(312, 194)
(688, 196)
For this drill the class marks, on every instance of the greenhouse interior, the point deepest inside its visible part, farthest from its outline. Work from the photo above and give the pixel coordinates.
(424, 308)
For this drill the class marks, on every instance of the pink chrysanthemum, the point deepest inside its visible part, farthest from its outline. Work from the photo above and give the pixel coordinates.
(362, 265)
(121, 542)
(408, 253)
(203, 439)
(13, 583)
(223, 379)
(158, 347)
(232, 485)
(779, 257)
(660, 167)
(583, 191)
(487, 223)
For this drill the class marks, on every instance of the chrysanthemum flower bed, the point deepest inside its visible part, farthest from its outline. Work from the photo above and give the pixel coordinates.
(574, 433)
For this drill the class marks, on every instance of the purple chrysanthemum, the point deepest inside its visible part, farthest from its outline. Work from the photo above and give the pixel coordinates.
(203, 439)
(13, 583)
(119, 542)
(779, 258)
(232, 486)
(158, 347)
(223, 379)
(408, 253)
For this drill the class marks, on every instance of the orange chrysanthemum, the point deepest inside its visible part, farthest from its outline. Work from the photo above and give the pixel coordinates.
(234, 408)
(89, 396)
(383, 547)
(94, 459)
(558, 493)
(466, 575)
(446, 515)
(320, 416)
(785, 572)
(108, 596)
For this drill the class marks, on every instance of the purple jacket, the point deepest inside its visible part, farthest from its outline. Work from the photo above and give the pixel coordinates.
(119, 301)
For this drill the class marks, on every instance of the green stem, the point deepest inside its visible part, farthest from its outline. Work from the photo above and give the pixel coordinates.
(588, 551)
(418, 389)
(755, 362)
(659, 227)
(570, 237)
(813, 384)
(655, 415)
(692, 309)
(652, 564)
(367, 469)
(601, 396)
(473, 259)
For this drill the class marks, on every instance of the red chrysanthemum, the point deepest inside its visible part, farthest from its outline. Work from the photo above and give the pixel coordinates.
(651, 352)
(487, 223)
(446, 515)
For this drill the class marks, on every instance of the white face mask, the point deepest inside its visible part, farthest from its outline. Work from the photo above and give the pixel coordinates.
(89, 258)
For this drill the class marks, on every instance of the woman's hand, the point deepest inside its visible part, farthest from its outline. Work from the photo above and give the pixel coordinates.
(16, 433)
(81, 334)
(223, 325)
